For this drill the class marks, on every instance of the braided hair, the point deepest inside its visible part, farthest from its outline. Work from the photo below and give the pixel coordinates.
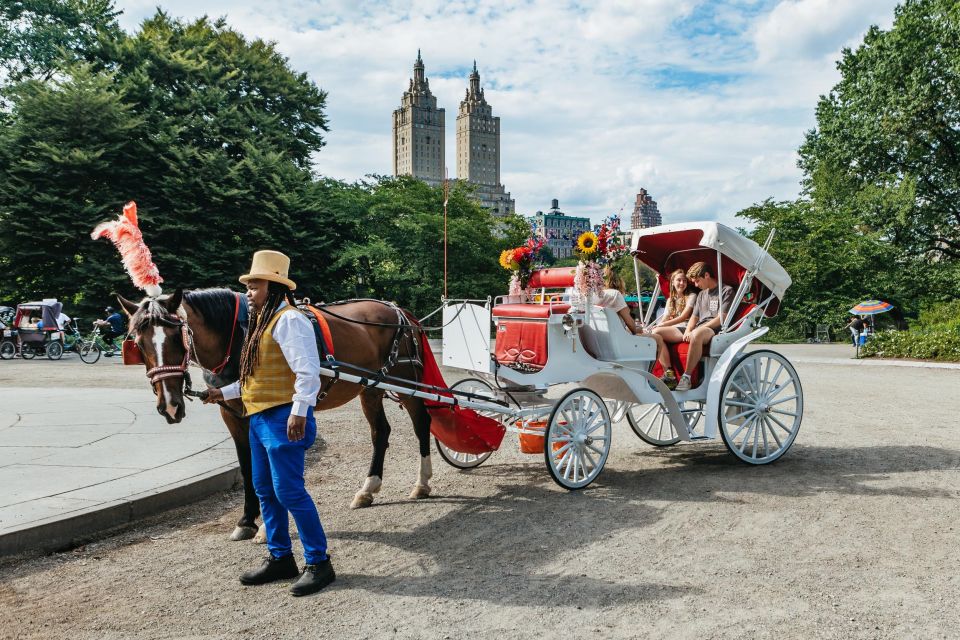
(250, 356)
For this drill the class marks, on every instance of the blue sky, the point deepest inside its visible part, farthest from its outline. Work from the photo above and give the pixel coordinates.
(702, 103)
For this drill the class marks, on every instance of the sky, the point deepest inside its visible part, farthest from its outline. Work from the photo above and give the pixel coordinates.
(703, 103)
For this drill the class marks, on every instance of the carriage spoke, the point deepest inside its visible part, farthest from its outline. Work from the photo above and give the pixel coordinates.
(739, 388)
(738, 403)
(765, 378)
(782, 400)
(783, 426)
(756, 437)
(766, 442)
(746, 439)
(772, 382)
(742, 427)
(773, 433)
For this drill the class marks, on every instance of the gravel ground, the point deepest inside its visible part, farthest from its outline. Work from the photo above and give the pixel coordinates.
(852, 535)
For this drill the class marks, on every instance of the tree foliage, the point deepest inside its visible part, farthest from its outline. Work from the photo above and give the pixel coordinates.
(213, 134)
(887, 141)
(880, 214)
(37, 37)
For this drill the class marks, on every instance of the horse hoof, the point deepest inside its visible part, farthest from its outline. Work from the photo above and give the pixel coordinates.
(361, 501)
(261, 537)
(243, 533)
(419, 492)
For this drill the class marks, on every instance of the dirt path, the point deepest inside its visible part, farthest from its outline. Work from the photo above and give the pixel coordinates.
(852, 535)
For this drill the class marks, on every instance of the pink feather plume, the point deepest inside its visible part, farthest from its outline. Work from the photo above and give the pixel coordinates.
(126, 236)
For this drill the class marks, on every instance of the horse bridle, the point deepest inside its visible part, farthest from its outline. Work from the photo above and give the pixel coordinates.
(157, 375)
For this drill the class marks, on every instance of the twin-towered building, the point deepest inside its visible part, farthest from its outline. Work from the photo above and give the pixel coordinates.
(419, 140)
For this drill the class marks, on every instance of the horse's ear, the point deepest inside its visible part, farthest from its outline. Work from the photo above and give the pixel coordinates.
(173, 302)
(128, 306)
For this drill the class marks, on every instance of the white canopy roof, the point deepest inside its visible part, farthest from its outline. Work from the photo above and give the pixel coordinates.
(718, 237)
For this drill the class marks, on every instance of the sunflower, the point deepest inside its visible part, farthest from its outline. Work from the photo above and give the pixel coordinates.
(587, 242)
(507, 261)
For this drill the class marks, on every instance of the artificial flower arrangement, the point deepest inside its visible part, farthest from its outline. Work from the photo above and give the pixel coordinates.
(522, 261)
(596, 249)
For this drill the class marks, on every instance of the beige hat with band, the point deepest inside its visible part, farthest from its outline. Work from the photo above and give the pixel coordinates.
(272, 266)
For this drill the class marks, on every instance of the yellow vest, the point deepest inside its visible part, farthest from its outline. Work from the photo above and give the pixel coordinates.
(271, 383)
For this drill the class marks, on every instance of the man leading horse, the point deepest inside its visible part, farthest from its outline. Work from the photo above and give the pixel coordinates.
(279, 382)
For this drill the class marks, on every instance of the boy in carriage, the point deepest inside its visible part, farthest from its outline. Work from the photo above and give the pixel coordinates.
(709, 309)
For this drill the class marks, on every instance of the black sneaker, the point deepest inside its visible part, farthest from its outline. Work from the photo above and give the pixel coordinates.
(314, 577)
(272, 569)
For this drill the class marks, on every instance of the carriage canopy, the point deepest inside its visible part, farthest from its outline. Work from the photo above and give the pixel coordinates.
(29, 313)
(677, 246)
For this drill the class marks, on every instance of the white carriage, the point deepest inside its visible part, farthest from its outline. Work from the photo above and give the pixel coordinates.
(752, 400)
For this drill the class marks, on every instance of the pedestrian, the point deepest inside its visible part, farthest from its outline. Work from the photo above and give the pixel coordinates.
(856, 327)
(279, 382)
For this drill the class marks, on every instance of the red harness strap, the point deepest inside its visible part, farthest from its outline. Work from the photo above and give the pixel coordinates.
(325, 330)
(236, 314)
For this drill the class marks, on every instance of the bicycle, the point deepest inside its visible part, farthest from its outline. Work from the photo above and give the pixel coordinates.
(91, 347)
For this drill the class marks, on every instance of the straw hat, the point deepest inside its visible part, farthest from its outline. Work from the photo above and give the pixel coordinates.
(272, 266)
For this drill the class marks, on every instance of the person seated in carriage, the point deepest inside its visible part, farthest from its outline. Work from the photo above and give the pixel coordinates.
(711, 306)
(678, 310)
(612, 297)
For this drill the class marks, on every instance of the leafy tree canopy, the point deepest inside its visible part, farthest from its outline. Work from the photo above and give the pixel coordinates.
(37, 37)
(887, 141)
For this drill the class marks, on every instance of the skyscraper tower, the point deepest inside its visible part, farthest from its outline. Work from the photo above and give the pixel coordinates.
(478, 148)
(418, 131)
(645, 212)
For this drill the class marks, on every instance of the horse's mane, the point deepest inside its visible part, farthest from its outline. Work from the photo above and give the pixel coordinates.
(216, 306)
(149, 313)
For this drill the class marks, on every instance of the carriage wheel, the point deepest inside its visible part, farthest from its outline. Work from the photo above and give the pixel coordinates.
(27, 352)
(577, 440)
(89, 352)
(55, 350)
(7, 350)
(761, 406)
(651, 422)
(468, 460)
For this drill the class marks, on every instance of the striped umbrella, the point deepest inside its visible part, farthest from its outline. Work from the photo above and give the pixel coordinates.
(871, 307)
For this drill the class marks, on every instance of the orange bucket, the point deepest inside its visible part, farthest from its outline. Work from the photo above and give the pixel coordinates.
(533, 442)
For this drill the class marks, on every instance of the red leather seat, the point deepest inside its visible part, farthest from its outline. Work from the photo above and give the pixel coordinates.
(529, 310)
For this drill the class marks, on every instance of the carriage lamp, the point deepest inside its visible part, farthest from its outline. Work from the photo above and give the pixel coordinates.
(568, 322)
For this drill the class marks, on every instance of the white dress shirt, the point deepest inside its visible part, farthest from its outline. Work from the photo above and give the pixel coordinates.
(294, 333)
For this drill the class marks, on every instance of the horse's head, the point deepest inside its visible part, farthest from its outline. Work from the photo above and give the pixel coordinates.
(160, 328)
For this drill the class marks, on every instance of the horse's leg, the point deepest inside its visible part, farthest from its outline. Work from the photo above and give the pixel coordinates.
(371, 401)
(421, 426)
(239, 430)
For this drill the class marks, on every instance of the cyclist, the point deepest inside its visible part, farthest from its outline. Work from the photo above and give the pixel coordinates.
(112, 327)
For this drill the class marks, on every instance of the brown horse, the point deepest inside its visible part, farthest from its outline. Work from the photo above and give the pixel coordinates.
(201, 326)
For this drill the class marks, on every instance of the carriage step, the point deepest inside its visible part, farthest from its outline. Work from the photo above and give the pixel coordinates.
(699, 437)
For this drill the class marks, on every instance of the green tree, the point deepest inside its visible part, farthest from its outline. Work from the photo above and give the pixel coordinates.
(209, 133)
(887, 140)
(37, 37)
(68, 146)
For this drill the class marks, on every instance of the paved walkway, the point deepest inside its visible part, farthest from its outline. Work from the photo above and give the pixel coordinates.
(77, 461)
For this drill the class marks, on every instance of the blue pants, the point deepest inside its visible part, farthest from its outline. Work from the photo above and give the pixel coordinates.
(278, 481)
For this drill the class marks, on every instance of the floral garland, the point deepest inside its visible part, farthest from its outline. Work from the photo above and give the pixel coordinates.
(601, 246)
(522, 261)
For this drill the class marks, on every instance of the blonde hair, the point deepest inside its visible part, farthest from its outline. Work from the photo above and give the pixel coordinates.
(678, 300)
(697, 269)
(612, 280)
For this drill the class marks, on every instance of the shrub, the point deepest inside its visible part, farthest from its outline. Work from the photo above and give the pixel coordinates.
(925, 345)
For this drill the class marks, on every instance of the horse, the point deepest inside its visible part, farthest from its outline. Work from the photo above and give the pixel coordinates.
(201, 326)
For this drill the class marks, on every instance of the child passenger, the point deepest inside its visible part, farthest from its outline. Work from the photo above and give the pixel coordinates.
(670, 330)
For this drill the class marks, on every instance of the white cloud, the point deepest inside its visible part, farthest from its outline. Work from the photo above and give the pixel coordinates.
(702, 102)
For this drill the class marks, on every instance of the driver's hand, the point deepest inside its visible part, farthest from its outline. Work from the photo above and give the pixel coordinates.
(213, 395)
(296, 427)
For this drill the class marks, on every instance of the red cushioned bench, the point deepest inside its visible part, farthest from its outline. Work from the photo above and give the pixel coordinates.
(522, 327)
